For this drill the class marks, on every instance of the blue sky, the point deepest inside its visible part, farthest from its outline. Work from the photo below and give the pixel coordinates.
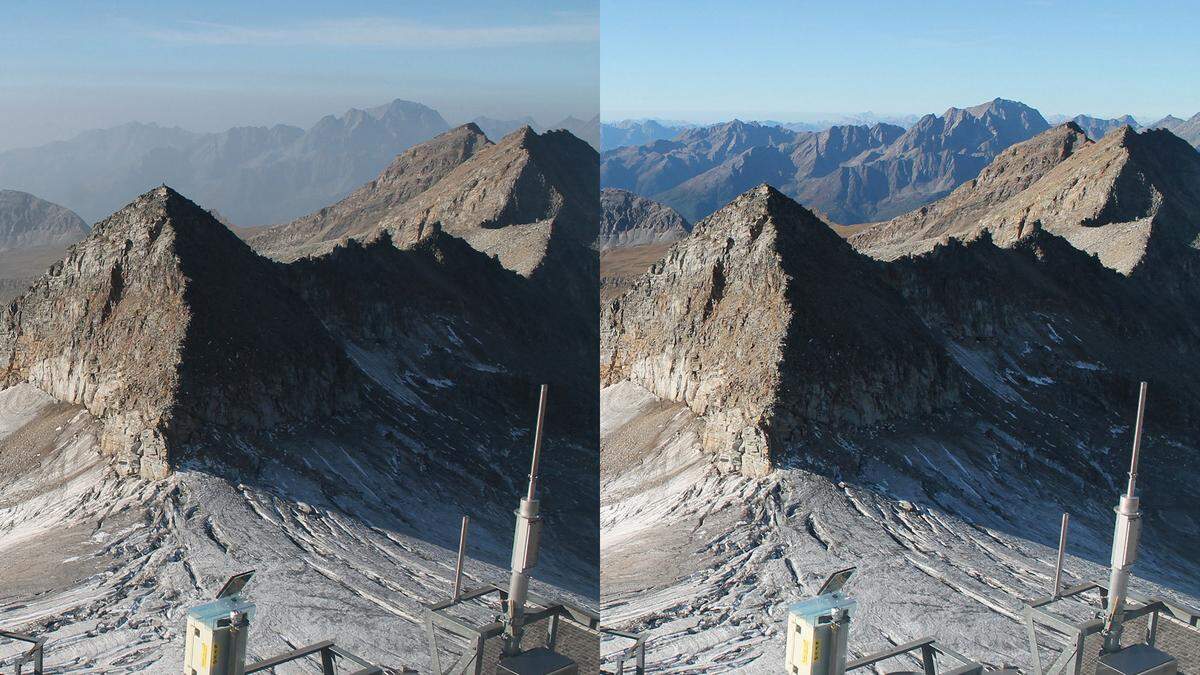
(768, 59)
(70, 66)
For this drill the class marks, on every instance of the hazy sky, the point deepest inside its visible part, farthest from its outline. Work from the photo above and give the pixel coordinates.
(70, 66)
(705, 60)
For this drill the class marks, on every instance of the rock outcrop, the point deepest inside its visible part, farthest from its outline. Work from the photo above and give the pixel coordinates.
(629, 220)
(166, 326)
(769, 326)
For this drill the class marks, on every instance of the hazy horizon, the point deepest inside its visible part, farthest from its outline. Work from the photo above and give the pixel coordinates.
(708, 118)
(1104, 58)
(76, 66)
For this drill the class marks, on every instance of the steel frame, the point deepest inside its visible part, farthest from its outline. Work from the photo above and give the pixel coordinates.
(34, 654)
(636, 652)
(1070, 661)
(930, 649)
(328, 652)
(471, 662)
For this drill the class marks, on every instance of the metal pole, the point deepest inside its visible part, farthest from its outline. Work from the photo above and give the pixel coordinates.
(1137, 439)
(525, 542)
(1062, 550)
(537, 443)
(1125, 539)
(462, 550)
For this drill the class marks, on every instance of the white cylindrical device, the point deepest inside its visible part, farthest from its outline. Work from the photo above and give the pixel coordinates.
(524, 559)
(1125, 539)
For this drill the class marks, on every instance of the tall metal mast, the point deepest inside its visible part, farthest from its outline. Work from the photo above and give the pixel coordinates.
(1125, 539)
(525, 543)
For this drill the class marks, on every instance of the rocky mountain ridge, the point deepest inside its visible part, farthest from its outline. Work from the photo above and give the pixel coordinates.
(1188, 130)
(522, 200)
(235, 343)
(796, 365)
(1126, 198)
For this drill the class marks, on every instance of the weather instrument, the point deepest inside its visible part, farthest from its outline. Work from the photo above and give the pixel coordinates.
(217, 631)
(818, 629)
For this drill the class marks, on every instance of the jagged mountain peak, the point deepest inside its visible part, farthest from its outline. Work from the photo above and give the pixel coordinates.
(998, 106)
(1129, 196)
(165, 325)
(739, 320)
(469, 127)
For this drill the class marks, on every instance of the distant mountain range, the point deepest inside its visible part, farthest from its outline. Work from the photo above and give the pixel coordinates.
(622, 133)
(636, 132)
(853, 174)
(250, 175)
(1188, 130)
(1097, 128)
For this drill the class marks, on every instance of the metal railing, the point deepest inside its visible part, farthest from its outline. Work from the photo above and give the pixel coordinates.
(635, 652)
(930, 651)
(1155, 622)
(33, 655)
(478, 644)
(328, 653)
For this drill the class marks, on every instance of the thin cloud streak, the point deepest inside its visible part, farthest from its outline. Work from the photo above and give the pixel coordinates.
(379, 32)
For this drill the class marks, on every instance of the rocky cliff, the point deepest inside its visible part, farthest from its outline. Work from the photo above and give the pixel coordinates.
(769, 326)
(165, 326)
